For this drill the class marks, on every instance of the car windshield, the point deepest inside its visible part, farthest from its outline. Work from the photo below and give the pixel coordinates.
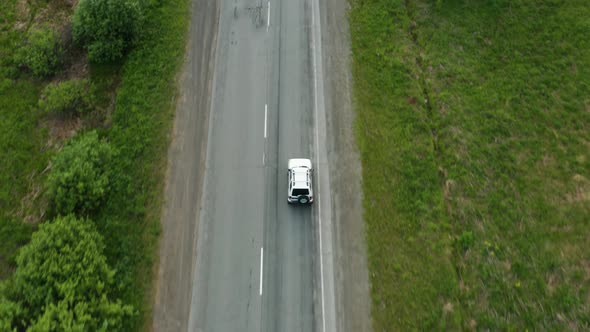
(297, 192)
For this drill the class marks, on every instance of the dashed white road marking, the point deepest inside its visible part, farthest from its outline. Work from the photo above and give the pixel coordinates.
(261, 264)
(265, 117)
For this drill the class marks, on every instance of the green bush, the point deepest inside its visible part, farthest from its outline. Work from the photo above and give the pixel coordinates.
(106, 28)
(79, 179)
(67, 98)
(63, 282)
(42, 53)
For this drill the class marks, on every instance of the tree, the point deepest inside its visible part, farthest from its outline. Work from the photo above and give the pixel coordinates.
(67, 98)
(9, 310)
(42, 53)
(106, 28)
(80, 177)
(62, 280)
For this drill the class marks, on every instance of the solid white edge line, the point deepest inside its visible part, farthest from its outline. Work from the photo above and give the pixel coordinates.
(265, 116)
(261, 264)
(315, 86)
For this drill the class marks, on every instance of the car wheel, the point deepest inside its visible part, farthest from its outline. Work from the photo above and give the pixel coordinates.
(303, 199)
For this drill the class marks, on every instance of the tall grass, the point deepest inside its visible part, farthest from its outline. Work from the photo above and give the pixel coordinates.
(473, 123)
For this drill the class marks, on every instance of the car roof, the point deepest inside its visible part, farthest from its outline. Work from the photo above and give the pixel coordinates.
(300, 177)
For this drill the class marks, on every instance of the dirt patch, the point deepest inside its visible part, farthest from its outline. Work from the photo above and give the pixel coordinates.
(77, 68)
(53, 17)
(61, 129)
(581, 193)
(33, 205)
(23, 14)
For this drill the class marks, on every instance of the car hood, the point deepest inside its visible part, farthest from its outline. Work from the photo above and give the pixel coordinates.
(299, 162)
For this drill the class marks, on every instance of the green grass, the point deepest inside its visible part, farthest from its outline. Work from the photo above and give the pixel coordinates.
(140, 130)
(476, 201)
(22, 151)
(20, 166)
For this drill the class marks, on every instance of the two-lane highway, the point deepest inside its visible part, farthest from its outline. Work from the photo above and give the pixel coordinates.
(257, 257)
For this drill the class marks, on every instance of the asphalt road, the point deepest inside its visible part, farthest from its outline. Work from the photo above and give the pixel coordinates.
(308, 279)
(260, 263)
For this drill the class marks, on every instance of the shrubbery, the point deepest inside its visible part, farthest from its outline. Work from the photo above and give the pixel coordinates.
(67, 98)
(106, 28)
(62, 282)
(79, 179)
(9, 310)
(42, 53)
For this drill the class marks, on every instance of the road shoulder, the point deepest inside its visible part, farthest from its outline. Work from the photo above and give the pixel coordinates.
(350, 254)
(184, 178)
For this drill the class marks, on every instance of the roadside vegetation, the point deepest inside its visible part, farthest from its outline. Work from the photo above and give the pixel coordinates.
(86, 107)
(474, 130)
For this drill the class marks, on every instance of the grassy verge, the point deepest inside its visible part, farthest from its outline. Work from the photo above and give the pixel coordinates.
(22, 155)
(473, 125)
(140, 130)
(20, 166)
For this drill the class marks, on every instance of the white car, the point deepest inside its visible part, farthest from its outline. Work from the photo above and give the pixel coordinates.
(300, 181)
